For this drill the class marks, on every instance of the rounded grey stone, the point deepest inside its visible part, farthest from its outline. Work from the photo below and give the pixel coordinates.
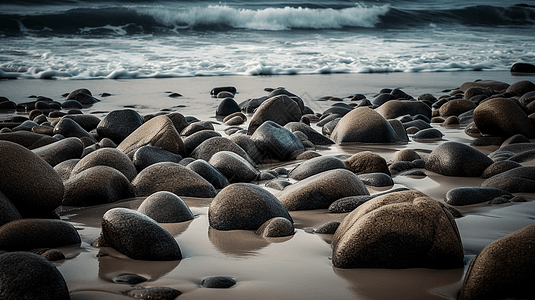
(119, 124)
(149, 155)
(456, 159)
(234, 167)
(110, 157)
(165, 207)
(315, 166)
(208, 172)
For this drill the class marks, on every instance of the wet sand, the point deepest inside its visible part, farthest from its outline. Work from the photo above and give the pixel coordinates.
(296, 267)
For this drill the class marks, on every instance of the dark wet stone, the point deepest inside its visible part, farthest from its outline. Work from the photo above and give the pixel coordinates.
(163, 177)
(149, 155)
(278, 184)
(244, 206)
(337, 110)
(456, 159)
(383, 98)
(208, 172)
(86, 99)
(28, 276)
(87, 122)
(400, 166)
(328, 228)
(119, 124)
(179, 121)
(72, 95)
(43, 129)
(196, 127)
(236, 114)
(276, 227)
(28, 234)
(62, 150)
(329, 127)
(159, 132)
(367, 162)
(326, 119)
(28, 181)
(97, 185)
(364, 125)
(503, 269)
(400, 130)
(50, 254)
(70, 128)
(8, 212)
(192, 141)
(522, 68)
(315, 137)
(165, 207)
(129, 279)
(499, 167)
(213, 145)
(72, 104)
(517, 180)
(348, 204)
(516, 148)
(281, 171)
(420, 124)
(138, 236)
(515, 139)
(155, 293)
(406, 155)
(521, 87)
(414, 173)
(456, 107)
(218, 90)
(376, 179)
(501, 117)
(402, 240)
(396, 108)
(472, 195)
(320, 190)
(267, 175)
(315, 166)
(523, 156)
(218, 282)
(8, 105)
(247, 144)
(110, 157)
(428, 135)
(280, 109)
(237, 120)
(26, 126)
(234, 167)
(275, 141)
(226, 107)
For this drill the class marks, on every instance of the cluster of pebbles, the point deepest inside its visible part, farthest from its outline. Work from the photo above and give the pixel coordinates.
(54, 160)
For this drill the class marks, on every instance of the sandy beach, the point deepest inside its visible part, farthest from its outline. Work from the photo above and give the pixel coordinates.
(293, 267)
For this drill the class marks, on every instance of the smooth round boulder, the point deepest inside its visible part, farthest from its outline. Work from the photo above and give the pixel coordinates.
(244, 206)
(276, 227)
(172, 177)
(70, 128)
(517, 180)
(456, 107)
(376, 179)
(226, 107)
(192, 141)
(367, 162)
(315, 166)
(246, 143)
(328, 228)
(279, 109)
(348, 204)
(218, 282)
(211, 146)
(28, 276)
(456, 159)
(29, 234)
(275, 141)
(503, 269)
(521, 87)
(396, 108)
(138, 236)
(208, 172)
(110, 157)
(29, 182)
(119, 124)
(322, 189)
(502, 117)
(60, 151)
(159, 132)
(472, 195)
(234, 167)
(196, 127)
(428, 135)
(364, 125)
(87, 122)
(165, 207)
(406, 155)
(97, 185)
(399, 230)
(149, 155)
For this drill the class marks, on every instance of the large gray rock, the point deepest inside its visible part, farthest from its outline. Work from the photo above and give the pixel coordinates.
(29, 234)
(393, 231)
(137, 236)
(234, 167)
(503, 269)
(28, 276)
(517, 180)
(62, 150)
(280, 109)
(396, 108)
(275, 141)
(149, 155)
(244, 206)
(110, 157)
(503, 117)
(315, 166)
(119, 124)
(28, 181)
(159, 132)
(456, 159)
(322, 189)
(165, 207)
(97, 185)
(172, 177)
(364, 125)
(472, 195)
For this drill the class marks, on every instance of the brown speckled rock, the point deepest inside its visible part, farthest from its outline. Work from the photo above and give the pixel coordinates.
(234, 167)
(406, 155)
(503, 269)
(396, 108)
(364, 125)
(503, 117)
(276, 227)
(456, 107)
(119, 124)
(394, 231)
(456, 159)
(244, 206)
(367, 162)
(486, 84)
(28, 234)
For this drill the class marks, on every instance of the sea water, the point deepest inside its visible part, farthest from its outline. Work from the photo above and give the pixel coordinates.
(74, 39)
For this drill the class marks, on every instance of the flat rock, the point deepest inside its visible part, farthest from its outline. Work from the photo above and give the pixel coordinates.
(149, 155)
(218, 282)
(486, 84)
(396, 108)
(110, 157)
(367, 162)
(27, 276)
(279, 109)
(517, 180)
(165, 207)
(315, 166)
(97, 185)
(28, 181)
(208, 172)
(392, 231)
(322, 189)
(472, 195)
(503, 269)
(234, 167)
(62, 150)
(244, 206)
(159, 132)
(138, 236)
(456, 159)
(428, 135)
(275, 141)
(364, 125)
(28, 234)
(119, 124)
(502, 117)
(172, 177)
